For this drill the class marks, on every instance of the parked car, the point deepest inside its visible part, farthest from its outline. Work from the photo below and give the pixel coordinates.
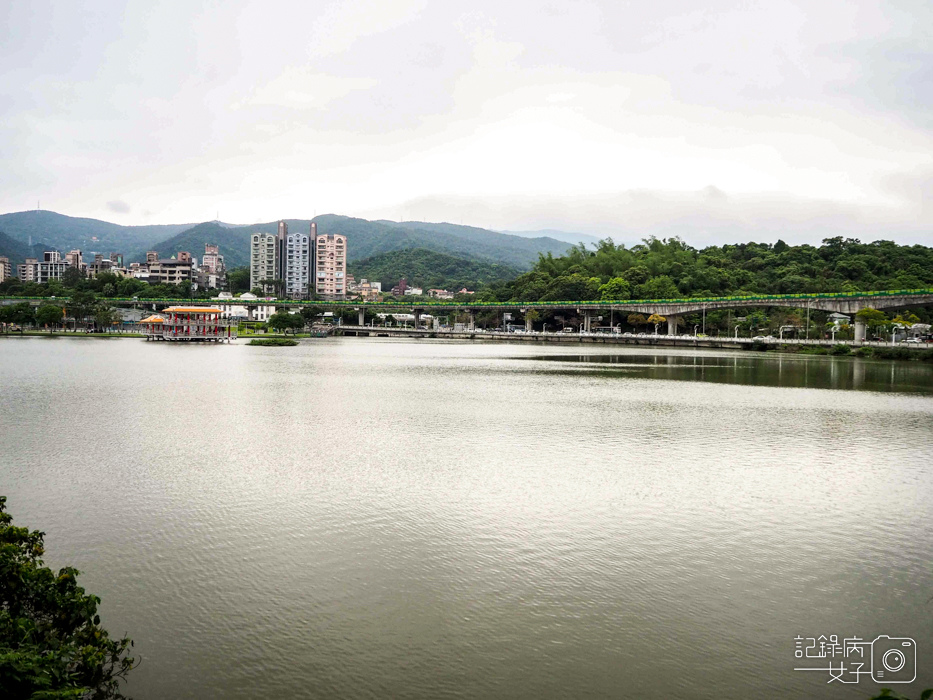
(913, 340)
(759, 337)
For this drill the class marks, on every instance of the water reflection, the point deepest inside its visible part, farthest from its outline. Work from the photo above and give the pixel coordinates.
(809, 372)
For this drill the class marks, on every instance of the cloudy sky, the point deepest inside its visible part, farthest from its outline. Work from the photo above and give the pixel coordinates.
(716, 121)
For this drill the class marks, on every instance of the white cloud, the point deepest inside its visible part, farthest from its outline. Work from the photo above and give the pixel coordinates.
(301, 88)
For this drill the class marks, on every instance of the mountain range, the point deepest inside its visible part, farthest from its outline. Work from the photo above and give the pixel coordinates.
(49, 230)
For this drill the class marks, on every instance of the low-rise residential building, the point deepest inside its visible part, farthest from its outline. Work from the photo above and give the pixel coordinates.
(440, 294)
(51, 267)
(414, 292)
(229, 308)
(369, 291)
(171, 271)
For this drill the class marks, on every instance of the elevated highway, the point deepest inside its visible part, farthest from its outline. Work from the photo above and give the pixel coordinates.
(672, 309)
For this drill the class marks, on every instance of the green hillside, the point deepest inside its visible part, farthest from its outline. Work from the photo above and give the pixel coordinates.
(670, 268)
(233, 242)
(430, 269)
(367, 239)
(67, 232)
(17, 251)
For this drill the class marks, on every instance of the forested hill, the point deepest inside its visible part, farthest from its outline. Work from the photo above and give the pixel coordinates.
(429, 269)
(17, 251)
(669, 268)
(368, 238)
(64, 233)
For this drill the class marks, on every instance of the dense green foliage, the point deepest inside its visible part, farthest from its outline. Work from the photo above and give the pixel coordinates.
(429, 269)
(106, 285)
(51, 642)
(669, 268)
(285, 322)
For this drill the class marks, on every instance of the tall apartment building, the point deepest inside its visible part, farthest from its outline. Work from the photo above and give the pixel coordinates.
(262, 260)
(330, 265)
(152, 256)
(285, 257)
(294, 264)
(6, 270)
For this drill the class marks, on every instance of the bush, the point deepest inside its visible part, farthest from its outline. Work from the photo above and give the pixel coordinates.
(275, 342)
(51, 641)
(840, 349)
(865, 351)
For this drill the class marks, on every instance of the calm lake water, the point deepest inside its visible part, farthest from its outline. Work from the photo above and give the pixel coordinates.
(368, 518)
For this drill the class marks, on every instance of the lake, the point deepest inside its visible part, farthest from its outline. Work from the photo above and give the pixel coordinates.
(372, 518)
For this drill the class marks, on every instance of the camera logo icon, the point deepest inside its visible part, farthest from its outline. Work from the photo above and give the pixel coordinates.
(893, 659)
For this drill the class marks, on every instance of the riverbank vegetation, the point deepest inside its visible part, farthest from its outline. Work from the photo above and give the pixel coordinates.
(273, 342)
(51, 642)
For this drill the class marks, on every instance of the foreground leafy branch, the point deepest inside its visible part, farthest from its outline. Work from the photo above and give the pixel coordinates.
(51, 643)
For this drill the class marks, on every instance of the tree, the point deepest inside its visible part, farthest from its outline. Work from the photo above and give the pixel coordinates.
(872, 318)
(6, 316)
(24, 315)
(284, 321)
(104, 316)
(51, 641)
(50, 315)
(82, 305)
(636, 320)
(657, 320)
(615, 289)
(238, 280)
(662, 287)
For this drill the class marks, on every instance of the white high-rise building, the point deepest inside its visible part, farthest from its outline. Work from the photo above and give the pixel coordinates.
(262, 260)
(294, 261)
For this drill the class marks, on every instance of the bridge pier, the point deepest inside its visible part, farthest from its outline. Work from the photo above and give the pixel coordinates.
(528, 325)
(672, 322)
(859, 332)
(362, 317)
(472, 320)
(417, 314)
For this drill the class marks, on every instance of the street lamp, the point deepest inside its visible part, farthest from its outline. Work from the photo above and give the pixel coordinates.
(695, 329)
(736, 332)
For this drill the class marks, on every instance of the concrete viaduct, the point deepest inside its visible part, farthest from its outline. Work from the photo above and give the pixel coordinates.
(672, 309)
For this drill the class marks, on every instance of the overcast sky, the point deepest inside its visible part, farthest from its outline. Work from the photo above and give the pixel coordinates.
(717, 121)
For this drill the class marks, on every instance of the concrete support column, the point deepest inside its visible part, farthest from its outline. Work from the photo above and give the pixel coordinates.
(859, 332)
(587, 322)
(417, 314)
(362, 317)
(672, 324)
(472, 320)
(528, 325)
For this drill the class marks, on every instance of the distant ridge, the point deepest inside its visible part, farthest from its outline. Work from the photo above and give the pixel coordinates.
(368, 238)
(68, 232)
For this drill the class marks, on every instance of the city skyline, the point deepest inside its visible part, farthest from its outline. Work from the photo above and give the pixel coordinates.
(718, 125)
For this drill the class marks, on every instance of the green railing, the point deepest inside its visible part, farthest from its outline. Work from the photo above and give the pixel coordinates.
(508, 304)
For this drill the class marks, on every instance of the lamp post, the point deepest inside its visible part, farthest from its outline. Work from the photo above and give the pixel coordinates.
(695, 330)
(737, 332)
